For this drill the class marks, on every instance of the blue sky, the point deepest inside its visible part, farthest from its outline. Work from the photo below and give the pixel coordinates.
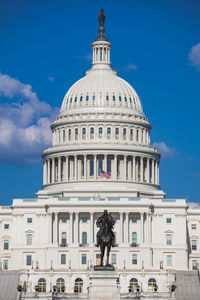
(46, 47)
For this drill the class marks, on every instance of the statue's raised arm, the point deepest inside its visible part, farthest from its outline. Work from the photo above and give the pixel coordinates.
(101, 18)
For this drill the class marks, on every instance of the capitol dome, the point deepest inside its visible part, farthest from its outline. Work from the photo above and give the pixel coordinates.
(101, 88)
(101, 136)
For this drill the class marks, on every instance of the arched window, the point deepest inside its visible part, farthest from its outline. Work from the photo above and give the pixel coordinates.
(137, 135)
(76, 134)
(63, 238)
(81, 98)
(100, 132)
(42, 285)
(117, 133)
(152, 284)
(131, 134)
(87, 98)
(60, 283)
(124, 134)
(120, 98)
(133, 283)
(130, 100)
(93, 97)
(78, 285)
(71, 100)
(83, 134)
(91, 167)
(92, 133)
(69, 134)
(100, 166)
(84, 238)
(134, 238)
(107, 98)
(113, 97)
(108, 133)
(75, 99)
(125, 99)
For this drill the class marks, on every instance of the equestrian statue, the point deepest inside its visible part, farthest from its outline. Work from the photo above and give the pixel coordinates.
(105, 236)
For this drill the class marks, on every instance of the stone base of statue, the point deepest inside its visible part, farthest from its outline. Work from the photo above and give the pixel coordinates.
(104, 268)
(104, 285)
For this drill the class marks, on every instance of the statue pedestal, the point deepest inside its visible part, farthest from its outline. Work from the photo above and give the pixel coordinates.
(104, 286)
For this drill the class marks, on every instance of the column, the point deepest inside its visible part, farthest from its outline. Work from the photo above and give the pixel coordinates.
(115, 168)
(48, 171)
(147, 170)
(121, 227)
(85, 167)
(147, 229)
(158, 173)
(156, 168)
(133, 170)
(95, 167)
(127, 228)
(105, 163)
(53, 170)
(141, 169)
(152, 173)
(44, 172)
(75, 166)
(150, 228)
(59, 169)
(141, 228)
(91, 229)
(125, 160)
(50, 228)
(76, 231)
(55, 237)
(66, 168)
(70, 228)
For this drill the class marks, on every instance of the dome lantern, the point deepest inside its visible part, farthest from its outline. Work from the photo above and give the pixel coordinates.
(101, 46)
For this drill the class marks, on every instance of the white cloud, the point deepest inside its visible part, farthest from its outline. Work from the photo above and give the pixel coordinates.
(51, 78)
(164, 150)
(130, 66)
(24, 122)
(194, 56)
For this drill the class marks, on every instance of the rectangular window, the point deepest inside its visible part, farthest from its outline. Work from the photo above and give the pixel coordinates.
(6, 245)
(194, 226)
(169, 239)
(84, 259)
(168, 220)
(29, 220)
(194, 245)
(114, 259)
(5, 264)
(6, 226)
(194, 265)
(84, 220)
(134, 259)
(91, 167)
(169, 260)
(64, 220)
(134, 220)
(29, 239)
(63, 259)
(28, 260)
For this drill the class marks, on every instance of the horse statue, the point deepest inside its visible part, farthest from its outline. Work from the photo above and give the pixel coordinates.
(105, 236)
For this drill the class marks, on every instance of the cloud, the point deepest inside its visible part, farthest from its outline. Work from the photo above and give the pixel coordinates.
(164, 150)
(24, 122)
(130, 67)
(51, 78)
(194, 56)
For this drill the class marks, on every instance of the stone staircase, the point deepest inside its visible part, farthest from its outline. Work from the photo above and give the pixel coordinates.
(188, 285)
(9, 281)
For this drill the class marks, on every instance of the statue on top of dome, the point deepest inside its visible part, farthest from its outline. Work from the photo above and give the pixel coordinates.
(101, 18)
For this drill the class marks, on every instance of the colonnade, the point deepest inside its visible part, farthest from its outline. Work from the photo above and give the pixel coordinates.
(91, 167)
(145, 219)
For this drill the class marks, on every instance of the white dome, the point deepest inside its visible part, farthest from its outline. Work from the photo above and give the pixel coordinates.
(101, 88)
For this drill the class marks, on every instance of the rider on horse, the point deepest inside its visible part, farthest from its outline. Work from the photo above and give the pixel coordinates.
(101, 223)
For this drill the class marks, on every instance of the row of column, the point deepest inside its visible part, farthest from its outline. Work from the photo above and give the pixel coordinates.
(74, 228)
(84, 167)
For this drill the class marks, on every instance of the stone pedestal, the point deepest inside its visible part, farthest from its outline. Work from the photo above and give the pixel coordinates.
(104, 286)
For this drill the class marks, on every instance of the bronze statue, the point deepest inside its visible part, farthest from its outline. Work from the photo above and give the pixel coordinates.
(101, 18)
(105, 235)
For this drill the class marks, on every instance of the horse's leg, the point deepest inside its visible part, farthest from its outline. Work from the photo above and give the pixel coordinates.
(108, 252)
(102, 247)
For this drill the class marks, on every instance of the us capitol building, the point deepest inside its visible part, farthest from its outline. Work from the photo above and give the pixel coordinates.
(101, 158)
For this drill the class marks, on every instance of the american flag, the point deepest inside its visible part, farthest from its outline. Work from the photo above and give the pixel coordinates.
(105, 174)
